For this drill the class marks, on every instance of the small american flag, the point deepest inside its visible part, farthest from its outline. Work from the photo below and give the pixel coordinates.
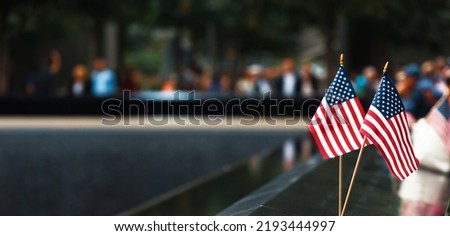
(387, 127)
(439, 119)
(335, 125)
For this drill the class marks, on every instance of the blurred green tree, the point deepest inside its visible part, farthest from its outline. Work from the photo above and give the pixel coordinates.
(229, 31)
(375, 28)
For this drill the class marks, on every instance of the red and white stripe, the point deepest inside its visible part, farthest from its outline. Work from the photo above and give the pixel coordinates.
(438, 122)
(392, 139)
(336, 129)
(440, 125)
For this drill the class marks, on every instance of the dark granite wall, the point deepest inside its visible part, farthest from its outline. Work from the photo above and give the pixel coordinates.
(104, 172)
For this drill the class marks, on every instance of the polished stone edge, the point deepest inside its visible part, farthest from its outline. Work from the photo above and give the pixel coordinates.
(139, 209)
(134, 122)
(249, 204)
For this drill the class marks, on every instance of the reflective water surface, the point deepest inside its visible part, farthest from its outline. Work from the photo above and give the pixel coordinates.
(212, 194)
(108, 171)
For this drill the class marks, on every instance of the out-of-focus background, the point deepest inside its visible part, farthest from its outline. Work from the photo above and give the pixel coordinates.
(185, 44)
(156, 70)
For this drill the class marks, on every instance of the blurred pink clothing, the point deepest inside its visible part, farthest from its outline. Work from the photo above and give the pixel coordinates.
(415, 208)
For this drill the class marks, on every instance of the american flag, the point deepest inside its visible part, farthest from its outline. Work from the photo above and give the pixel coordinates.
(335, 125)
(387, 127)
(439, 119)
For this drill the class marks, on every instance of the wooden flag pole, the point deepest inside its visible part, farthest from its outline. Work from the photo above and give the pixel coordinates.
(340, 187)
(357, 160)
(353, 176)
(341, 62)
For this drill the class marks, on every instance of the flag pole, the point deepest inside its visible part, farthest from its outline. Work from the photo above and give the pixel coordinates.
(353, 176)
(340, 186)
(341, 62)
(357, 160)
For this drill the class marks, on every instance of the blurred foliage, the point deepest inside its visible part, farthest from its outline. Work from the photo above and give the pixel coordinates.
(142, 53)
(414, 21)
(246, 26)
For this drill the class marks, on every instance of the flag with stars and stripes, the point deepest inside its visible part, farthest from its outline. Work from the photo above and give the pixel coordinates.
(385, 124)
(439, 119)
(336, 123)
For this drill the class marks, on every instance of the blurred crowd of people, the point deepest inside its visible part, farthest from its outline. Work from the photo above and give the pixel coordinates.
(285, 80)
(100, 82)
(425, 90)
(419, 86)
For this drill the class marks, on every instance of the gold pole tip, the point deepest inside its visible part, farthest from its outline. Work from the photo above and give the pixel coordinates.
(341, 59)
(385, 67)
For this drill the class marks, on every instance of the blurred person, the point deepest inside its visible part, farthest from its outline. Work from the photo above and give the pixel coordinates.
(103, 80)
(412, 97)
(366, 84)
(360, 84)
(271, 73)
(80, 86)
(131, 81)
(226, 83)
(40, 82)
(373, 78)
(309, 84)
(399, 75)
(288, 83)
(441, 67)
(222, 83)
(252, 84)
(441, 64)
(432, 83)
(190, 77)
(429, 70)
(428, 86)
(168, 86)
(427, 191)
(244, 85)
(205, 82)
(262, 86)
